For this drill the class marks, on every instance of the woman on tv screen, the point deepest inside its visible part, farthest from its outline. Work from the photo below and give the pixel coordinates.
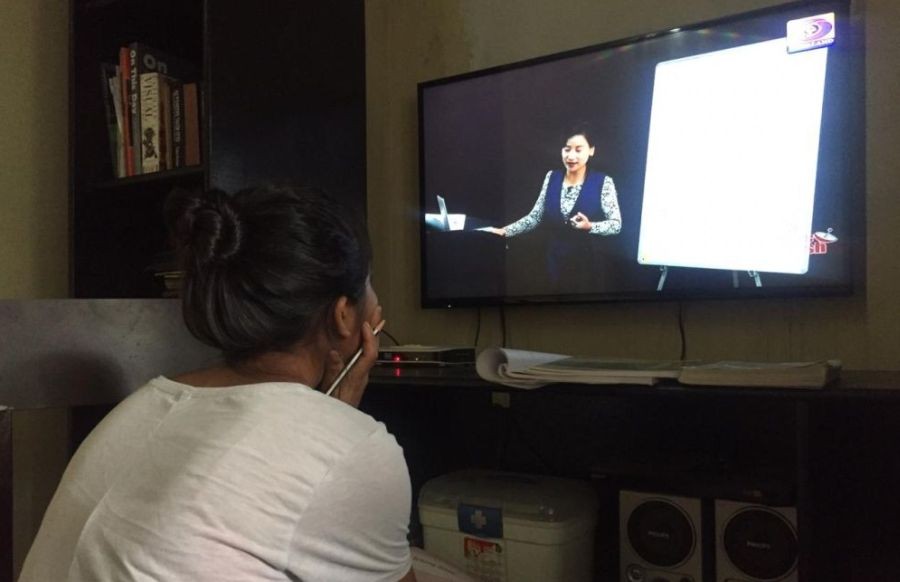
(571, 205)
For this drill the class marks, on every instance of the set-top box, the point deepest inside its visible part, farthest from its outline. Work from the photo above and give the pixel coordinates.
(426, 355)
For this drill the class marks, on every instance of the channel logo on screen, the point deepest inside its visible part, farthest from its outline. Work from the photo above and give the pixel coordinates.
(813, 32)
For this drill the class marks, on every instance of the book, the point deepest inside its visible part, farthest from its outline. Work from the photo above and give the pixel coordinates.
(152, 60)
(528, 369)
(165, 123)
(150, 106)
(166, 271)
(191, 98)
(815, 374)
(177, 124)
(115, 89)
(172, 282)
(134, 111)
(112, 108)
(124, 76)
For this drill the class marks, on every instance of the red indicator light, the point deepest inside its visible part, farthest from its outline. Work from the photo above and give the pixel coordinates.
(397, 358)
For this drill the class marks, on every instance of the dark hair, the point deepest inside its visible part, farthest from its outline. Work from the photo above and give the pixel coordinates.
(262, 268)
(582, 128)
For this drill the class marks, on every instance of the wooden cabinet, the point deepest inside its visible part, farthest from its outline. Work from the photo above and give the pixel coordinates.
(282, 101)
(828, 453)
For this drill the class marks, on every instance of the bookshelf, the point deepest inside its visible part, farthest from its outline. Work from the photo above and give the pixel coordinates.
(280, 102)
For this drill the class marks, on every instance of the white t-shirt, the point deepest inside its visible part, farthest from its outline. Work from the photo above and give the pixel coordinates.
(271, 481)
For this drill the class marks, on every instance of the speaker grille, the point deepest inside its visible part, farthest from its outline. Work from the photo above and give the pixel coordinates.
(761, 544)
(661, 533)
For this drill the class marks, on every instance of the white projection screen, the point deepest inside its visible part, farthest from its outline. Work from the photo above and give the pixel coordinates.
(731, 161)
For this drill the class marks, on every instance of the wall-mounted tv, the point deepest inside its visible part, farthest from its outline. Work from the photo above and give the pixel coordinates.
(719, 159)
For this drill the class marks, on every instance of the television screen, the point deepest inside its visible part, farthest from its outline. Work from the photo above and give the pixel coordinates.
(721, 159)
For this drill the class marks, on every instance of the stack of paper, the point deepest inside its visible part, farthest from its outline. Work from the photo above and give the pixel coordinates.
(526, 369)
(762, 374)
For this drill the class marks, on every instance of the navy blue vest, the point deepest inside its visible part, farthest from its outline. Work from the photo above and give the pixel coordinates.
(588, 201)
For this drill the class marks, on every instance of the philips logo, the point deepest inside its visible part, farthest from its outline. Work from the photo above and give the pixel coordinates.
(758, 545)
(809, 33)
(660, 535)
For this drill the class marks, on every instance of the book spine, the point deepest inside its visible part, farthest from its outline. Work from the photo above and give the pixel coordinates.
(108, 78)
(134, 108)
(177, 124)
(124, 82)
(153, 60)
(191, 125)
(150, 118)
(165, 123)
(120, 119)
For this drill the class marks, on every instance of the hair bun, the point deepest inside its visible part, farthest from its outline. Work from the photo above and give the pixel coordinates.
(206, 227)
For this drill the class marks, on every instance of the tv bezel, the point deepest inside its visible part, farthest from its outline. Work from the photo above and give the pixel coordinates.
(852, 37)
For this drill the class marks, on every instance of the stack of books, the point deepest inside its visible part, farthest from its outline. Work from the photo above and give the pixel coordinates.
(152, 106)
(528, 369)
(167, 274)
(172, 281)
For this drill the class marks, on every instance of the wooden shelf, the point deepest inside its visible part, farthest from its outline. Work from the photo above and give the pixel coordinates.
(853, 384)
(154, 177)
(268, 112)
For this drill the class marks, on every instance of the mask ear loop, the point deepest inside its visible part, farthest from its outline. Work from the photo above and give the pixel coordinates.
(353, 360)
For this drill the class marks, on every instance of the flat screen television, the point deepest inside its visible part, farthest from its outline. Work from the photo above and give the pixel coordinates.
(718, 159)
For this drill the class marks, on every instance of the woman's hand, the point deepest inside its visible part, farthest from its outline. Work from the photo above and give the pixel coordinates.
(353, 386)
(580, 221)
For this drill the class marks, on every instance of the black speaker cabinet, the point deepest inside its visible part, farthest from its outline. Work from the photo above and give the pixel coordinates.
(755, 543)
(659, 538)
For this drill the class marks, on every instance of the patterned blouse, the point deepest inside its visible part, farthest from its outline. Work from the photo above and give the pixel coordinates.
(609, 202)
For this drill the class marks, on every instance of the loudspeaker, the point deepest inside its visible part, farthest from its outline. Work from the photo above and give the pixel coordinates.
(659, 538)
(755, 543)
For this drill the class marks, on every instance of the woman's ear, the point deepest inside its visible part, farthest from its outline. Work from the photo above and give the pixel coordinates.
(344, 317)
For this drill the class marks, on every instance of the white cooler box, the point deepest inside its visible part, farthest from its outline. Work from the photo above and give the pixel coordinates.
(511, 527)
